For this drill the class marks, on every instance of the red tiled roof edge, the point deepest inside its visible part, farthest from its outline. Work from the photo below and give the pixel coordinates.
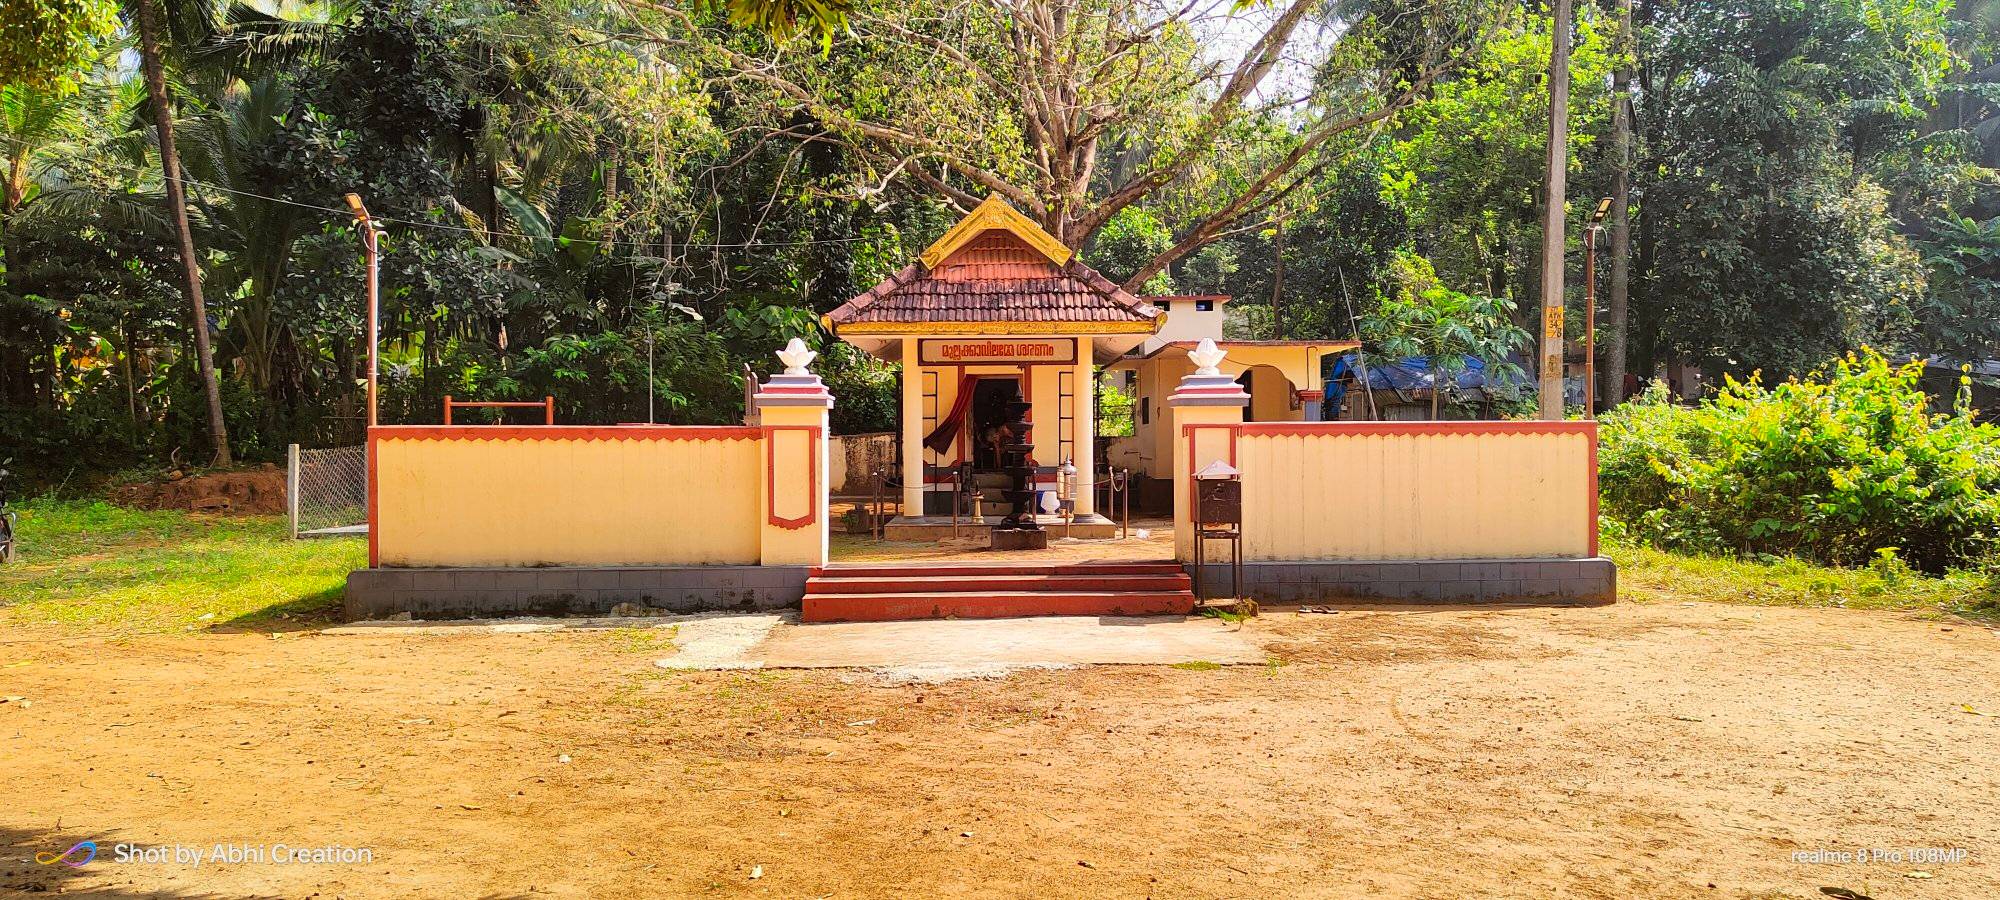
(1111, 291)
(846, 312)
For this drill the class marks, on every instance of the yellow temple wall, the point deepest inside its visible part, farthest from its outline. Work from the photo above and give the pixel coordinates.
(1413, 490)
(596, 496)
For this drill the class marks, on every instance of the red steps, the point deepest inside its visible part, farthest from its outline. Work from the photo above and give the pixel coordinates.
(882, 592)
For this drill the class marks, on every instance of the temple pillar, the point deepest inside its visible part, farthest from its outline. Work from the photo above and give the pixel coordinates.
(1204, 414)
(792, 408)
(913, 430)
(1085, 433)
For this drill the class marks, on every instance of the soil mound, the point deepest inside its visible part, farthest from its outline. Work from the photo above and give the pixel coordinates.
(259, 491)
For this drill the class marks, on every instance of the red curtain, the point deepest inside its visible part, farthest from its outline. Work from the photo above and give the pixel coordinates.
(940, 438)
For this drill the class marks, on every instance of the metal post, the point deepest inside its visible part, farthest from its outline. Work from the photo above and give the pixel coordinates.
(292, 487)
(447, 409)
(1125, 516)
(1590, 234)
(549, 411)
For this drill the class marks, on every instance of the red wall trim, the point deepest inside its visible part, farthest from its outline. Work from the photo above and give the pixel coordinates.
(1592, 520)
(1336, 429)
(565, 432)
(374, 521)
(771, 475)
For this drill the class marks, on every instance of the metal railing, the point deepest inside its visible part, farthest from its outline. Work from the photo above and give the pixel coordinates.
(546, 404)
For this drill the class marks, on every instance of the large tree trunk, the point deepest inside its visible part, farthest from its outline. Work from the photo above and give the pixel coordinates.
(1553, 234)
(170, 165)
(1617, 310)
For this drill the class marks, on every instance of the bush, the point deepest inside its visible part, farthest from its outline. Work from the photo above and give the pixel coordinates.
(1847, 467)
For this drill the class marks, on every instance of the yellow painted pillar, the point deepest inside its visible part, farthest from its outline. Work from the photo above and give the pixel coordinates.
(792, 494)
(1201, 414)
(1085, 416)
(913, 430)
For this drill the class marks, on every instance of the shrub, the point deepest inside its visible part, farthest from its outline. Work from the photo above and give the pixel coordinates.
(1848, 467)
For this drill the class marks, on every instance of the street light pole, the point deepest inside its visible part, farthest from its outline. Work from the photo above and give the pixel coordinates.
(368, 247)
(1590, 234)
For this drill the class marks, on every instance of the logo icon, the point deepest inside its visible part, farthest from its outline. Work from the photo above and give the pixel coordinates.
(87, 849)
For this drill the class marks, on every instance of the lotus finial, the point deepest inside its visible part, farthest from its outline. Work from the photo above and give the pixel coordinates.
(1207, 356)
(796, 357)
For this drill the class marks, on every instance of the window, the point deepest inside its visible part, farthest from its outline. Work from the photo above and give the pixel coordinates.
(1164, 304)
(1145, 410)
(1204, 305)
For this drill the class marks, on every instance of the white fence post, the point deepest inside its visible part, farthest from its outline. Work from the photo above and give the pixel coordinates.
(292, 488)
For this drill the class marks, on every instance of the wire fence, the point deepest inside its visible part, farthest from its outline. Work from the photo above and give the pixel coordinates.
(329, 491)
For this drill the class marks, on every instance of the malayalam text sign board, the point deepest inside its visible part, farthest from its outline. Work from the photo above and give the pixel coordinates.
(973, 351)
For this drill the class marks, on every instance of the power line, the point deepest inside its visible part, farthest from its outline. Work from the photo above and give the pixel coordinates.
(344, 214)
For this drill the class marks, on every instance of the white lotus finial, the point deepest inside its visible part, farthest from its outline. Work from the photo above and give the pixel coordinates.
(796, 357)
(1206, 357)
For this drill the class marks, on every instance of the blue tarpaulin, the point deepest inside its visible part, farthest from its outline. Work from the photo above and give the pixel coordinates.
(1408, 376)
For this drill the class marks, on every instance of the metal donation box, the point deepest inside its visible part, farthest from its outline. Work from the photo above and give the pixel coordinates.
(1219, 497)
(1218, 516)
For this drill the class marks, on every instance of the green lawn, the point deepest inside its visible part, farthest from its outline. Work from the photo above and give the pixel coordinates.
(124, 571)
(121, 571)
(1646, 574)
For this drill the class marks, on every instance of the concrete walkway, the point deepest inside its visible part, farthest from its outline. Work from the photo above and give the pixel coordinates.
(947, 649)
(927, 650)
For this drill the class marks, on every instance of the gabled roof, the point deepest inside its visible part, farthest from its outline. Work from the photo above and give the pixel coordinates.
(994, 214)
(997, 266)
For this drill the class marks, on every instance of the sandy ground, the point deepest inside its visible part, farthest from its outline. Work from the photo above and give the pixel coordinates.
(1624, 751)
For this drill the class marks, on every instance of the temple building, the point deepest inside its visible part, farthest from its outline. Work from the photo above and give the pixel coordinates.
(998, 311)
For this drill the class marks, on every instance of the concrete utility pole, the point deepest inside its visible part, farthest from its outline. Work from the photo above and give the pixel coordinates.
(1553, 234)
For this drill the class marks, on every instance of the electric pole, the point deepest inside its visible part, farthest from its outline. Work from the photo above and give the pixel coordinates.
(1553, 234)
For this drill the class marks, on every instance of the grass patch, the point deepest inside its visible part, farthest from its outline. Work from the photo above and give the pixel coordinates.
(1649, 574)
(94, 565)
(1199, 665)
(644, 640)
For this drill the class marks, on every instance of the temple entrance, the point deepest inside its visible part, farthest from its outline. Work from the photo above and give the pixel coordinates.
(990, 396)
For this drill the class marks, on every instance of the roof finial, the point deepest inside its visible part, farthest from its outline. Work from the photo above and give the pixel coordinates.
(1207, 356)
(796, 357)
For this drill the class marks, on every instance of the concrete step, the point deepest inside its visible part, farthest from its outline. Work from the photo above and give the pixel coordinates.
(995, 582)
(935, 570)
(890, 607)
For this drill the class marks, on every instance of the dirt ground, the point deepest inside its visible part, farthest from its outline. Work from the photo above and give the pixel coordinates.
(259, 491)
(1633, 750)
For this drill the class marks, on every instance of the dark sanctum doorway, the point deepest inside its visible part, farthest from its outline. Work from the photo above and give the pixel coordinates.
(990, 396)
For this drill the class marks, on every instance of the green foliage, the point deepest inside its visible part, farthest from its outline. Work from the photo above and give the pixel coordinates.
(1960, 314)
(1130, 240)
(48, 43)
(1838, 468)
(1114, 410)
(1773, 246)
(867, 393)
(1422, 317)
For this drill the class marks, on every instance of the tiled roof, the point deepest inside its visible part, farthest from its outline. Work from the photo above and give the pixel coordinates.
(995, 278)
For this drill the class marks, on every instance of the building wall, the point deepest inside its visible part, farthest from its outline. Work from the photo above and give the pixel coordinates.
(1276, 373)
(575, 496)
(1186, 323)
(1430, 490)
